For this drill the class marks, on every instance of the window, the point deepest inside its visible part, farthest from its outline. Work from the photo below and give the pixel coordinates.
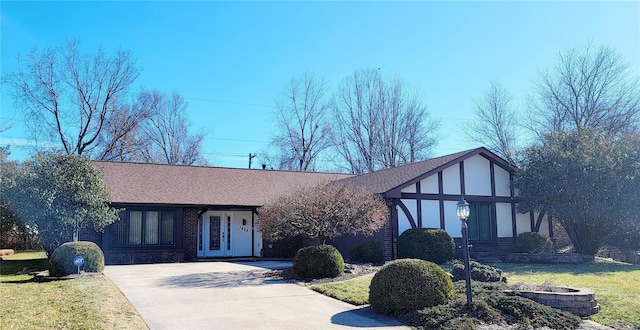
(480, 222)
(138, 227)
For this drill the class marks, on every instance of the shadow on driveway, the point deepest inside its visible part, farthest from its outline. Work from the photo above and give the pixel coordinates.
(362, 318)
(219, 280)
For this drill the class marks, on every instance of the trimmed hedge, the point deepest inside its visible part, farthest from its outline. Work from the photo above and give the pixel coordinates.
(61, 260)
(318, 261)
(479, 272)
(429, 244)
(370, 252)
(404, 285)
(532, 242)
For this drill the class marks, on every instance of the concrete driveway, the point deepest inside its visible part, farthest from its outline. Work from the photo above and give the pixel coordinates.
(233, 295)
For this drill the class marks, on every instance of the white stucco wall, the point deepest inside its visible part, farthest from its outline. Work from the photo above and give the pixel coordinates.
(409, 189)
(544, 226)
(523, 223)
(429, 185)
(451, 222)
(503, 220)
(477, 176)
(451, 180)
(502, 181)
(403, 221)
(430, 214)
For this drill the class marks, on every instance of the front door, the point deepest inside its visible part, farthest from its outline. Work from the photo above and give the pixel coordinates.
(214, 235)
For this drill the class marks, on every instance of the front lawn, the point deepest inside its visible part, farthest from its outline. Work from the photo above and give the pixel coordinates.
(89, 302)
(615, 284)
(355, 291)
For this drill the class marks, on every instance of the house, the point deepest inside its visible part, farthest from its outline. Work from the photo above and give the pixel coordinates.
(178, 213)
(424, 195)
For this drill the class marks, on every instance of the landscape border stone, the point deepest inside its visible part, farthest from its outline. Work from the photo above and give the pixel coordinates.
(544, 258)
(581, 302)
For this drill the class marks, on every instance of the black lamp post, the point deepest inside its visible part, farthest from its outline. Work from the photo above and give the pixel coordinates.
(462, 211)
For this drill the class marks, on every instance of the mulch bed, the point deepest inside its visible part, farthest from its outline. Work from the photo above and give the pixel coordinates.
(350, 271)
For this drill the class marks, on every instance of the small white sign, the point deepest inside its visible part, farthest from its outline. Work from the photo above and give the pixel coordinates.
(78, 261)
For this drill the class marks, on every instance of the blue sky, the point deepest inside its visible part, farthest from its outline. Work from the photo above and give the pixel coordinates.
(231, 59)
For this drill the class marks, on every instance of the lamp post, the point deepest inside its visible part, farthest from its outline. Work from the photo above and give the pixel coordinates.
(462, 211)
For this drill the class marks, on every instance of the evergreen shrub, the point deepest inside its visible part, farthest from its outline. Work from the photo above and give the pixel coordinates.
(429, 244)
(61, 260)
(479, 272)
(404, 285)
(369, 252)
(533, 242)
(318, 261)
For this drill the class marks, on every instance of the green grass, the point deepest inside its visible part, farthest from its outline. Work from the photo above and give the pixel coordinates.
(616, 285)
(354, 291)
(15, 263)
(89, 302)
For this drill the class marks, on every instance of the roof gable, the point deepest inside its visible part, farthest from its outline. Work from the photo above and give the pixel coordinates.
(389, 182)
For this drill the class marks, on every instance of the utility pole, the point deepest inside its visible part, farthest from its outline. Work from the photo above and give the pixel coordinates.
(251, 157)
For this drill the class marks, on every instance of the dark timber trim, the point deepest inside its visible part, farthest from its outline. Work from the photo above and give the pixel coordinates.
(455, 198)
(532, 219)
(407, 213)
(419, 204)
(440, 199)
(462, 178)
(514, 228)
(493, 178)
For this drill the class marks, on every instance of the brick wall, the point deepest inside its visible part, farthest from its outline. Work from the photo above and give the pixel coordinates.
(142, 256)
(89, 234)
(190, 233)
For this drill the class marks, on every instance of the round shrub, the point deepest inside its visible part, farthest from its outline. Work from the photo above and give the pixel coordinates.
(479, 272)
(61, 260)
(318, 261)
(404, 285)
(532, 242)
(370, 251)
(434, 245)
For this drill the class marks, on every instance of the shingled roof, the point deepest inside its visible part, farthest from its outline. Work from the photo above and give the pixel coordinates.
(135, 183)
(388, 182)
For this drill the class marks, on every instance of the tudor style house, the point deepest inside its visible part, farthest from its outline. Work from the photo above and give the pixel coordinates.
(181, 213)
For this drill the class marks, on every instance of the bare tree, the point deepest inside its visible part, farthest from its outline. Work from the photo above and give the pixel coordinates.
(6, 124)
(120, 139)
(303, 131)
(357, 111)
(495, 122)
(68, 96)
(164, 137)
(379, 123)
(588, 88)
(407, 133)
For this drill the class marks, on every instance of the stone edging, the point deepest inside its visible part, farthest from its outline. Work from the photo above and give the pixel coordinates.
(581, 302)
(544, 258)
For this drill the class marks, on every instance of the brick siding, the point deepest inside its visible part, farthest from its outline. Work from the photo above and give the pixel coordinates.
(190, 233)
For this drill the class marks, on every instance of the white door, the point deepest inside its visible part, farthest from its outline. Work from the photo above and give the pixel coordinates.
(214, 235)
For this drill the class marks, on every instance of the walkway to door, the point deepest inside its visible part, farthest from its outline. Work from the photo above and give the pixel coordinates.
(233, 295)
